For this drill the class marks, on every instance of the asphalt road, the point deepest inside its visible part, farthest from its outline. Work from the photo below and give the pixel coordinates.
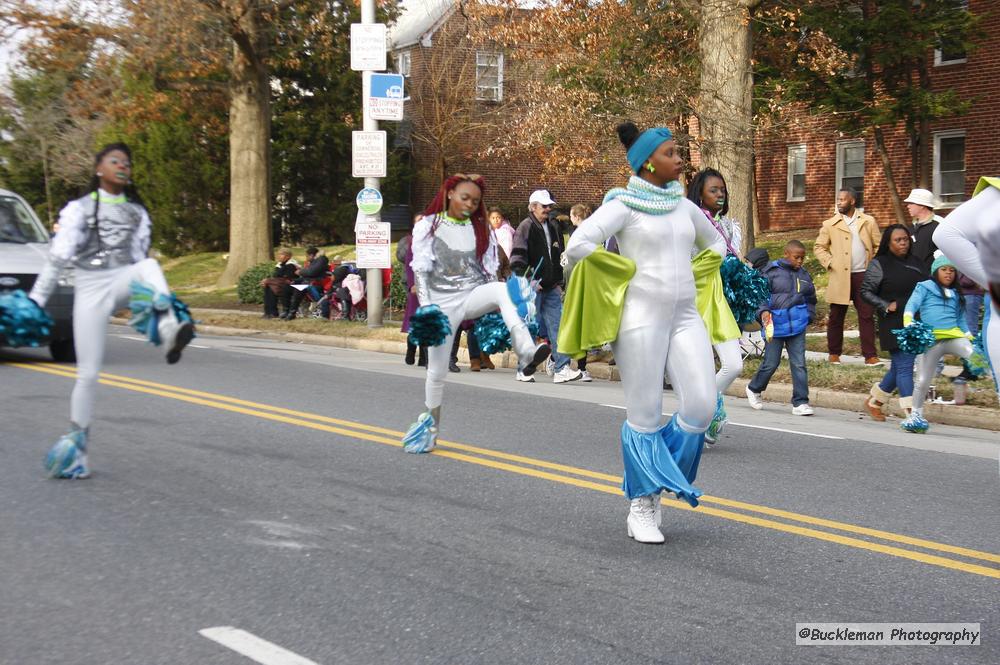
(258, 485)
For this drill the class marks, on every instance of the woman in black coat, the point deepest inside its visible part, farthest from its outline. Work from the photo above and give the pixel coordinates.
(890, 279)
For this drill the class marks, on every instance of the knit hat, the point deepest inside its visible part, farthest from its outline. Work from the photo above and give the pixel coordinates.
(940, 261)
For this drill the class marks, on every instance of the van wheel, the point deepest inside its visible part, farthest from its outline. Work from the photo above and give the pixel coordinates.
(62, 350)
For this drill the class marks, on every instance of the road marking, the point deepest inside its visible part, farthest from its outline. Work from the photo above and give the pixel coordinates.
(372, 433)
(253, 647)
(198, 346)
(773, 429)
(134, 338)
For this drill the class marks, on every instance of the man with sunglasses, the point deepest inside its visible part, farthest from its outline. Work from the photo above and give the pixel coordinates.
(538, 247)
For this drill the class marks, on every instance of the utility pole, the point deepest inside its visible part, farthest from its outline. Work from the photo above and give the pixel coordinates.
(374, 282)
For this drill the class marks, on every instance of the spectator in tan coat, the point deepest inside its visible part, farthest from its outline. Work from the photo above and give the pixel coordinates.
(845, 246)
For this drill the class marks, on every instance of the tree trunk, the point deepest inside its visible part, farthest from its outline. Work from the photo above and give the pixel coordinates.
(725, 98)
(249, 155)
(890, 180)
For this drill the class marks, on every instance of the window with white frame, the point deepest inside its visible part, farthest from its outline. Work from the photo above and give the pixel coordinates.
(796, 173)
(948, 52)
(851, 168)
(489, 76)
(949, 167)
(403, 63)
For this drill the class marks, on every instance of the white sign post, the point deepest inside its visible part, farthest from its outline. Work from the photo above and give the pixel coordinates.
(373, 244)
(368, 154)
(368, 47)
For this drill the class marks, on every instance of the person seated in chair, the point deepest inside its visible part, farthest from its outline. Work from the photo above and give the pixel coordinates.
(278, 285)
(313, 273)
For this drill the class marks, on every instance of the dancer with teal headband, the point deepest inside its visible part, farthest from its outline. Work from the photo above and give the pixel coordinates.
(657, 317)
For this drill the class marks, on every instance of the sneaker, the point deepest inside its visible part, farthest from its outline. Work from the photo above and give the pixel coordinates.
(834, 359)
(567, 374)
(585, 376)
(525, 378)
(874, 362)
(550, 367)
(183, 337)
(754, 398)
(802, 410)
(641, 520)
(453, 367)
(542, 352)
(66, 460)
(915, 424)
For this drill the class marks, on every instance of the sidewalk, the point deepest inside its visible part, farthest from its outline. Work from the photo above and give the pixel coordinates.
(962, 416)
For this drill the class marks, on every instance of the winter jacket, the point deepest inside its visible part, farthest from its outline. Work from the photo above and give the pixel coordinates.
(793, 298)
(890, 279)
(945, 315)
(923, 242)
(316, 269)
(531, 249)
(833, 249)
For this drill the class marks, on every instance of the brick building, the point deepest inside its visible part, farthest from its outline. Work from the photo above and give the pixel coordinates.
(426, 43)
(800, 168)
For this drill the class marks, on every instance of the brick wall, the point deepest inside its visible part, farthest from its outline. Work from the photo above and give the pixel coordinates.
(977, 79)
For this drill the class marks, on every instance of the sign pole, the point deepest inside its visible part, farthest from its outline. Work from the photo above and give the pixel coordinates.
(374, 282)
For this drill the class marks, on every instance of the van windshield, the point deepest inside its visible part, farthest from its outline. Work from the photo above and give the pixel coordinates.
(17, 223)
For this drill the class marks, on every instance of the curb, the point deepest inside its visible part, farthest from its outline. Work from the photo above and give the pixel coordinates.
(961, 416)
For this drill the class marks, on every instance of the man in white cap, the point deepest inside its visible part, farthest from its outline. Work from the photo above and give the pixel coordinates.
(538, 247)
(920, 204)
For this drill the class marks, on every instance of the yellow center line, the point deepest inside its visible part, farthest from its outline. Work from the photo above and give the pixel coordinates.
(371, 433)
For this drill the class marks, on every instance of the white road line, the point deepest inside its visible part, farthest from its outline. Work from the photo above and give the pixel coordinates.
(198, 346)
(133, 338)
(773, 429)
(253, 647)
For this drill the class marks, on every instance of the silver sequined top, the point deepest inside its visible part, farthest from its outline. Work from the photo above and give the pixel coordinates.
(448, 257)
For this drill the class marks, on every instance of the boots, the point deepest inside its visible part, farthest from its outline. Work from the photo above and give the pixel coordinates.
(422, 359)
(485, 362)
(641, 520)
(906, 404)
(421, 437)
(411, 354)
(474, 364)
(878, 398)
(529, 354)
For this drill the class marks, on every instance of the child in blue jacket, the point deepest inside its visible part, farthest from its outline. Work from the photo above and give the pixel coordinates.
(939, 304)
(785, 317)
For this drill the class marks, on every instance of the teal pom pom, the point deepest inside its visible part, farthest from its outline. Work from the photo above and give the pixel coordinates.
(978, 364)
(493, 335)
(915, 338)
(429, 326)
(22, 321)
(745, 289)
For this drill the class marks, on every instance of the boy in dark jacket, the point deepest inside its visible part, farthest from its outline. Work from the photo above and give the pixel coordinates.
(785, 317)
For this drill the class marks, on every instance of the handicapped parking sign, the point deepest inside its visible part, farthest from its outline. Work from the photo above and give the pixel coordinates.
(386, 97)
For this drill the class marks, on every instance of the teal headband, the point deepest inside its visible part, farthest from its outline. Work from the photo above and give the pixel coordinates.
(644, 146)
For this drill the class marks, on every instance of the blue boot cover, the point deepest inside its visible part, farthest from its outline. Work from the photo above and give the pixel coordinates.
(429, 326)
(718, 420)
(522, 294)
(421, 437)
(148, 306)
(663, 460)
(915, 423)
(63, 454)
(22, 321)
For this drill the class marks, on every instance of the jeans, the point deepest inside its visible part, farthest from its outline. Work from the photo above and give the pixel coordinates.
(900, 374)
(796, 347)
(548, 303)
(973, 306)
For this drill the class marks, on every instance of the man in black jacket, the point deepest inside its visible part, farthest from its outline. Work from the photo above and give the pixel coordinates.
(538, 244)
(920, 205)
(315, 270)
(277, 286)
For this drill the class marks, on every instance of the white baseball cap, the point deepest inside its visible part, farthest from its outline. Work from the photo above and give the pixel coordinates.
(541, 196)
(922, 197)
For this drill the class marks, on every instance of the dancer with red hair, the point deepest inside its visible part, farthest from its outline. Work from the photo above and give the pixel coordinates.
(454, 269)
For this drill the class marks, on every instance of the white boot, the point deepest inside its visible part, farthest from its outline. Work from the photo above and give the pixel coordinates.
(529, 354)
(174, 335)
(641, 520)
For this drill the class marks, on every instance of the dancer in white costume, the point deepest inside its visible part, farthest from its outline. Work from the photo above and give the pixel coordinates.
(707, 190)
(657, 227)
(105, 236)
(455, 269)
(970, 237)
